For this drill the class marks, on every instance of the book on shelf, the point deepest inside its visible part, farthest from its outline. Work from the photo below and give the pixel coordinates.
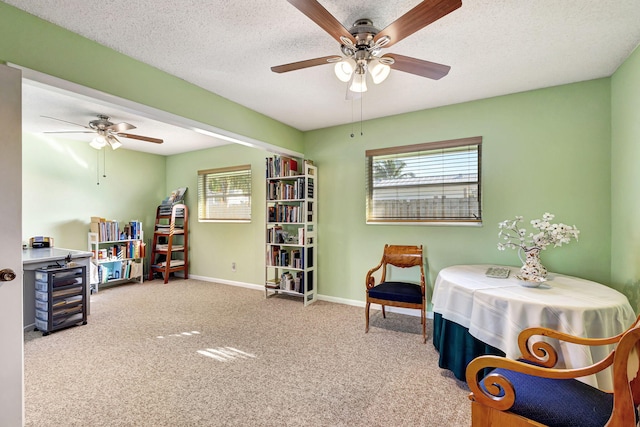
(299, 281)
(286, 281)
(135, 269)
(273, 283)
(281, 166)
(110, 231)
(275, 235)
(174, 263)
(284, 213)
(165, 247)
(296, 259)
(119, 270)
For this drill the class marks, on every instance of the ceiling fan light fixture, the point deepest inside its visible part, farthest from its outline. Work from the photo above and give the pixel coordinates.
(98, 142)
(379, 72)
(344, 70)
(359, 83)
(113, 142)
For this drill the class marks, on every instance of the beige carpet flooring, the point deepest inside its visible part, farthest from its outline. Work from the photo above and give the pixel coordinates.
(193, 353)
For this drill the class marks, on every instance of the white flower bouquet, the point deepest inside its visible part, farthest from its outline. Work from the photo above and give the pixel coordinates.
(547, 233)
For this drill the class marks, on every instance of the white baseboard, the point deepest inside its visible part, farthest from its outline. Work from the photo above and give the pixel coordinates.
(337, 300)
(229, 282)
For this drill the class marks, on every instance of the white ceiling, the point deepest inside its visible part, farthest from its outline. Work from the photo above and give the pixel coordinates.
(494, 47)
(39, 100)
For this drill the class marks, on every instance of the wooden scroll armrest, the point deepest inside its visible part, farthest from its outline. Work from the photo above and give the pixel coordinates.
(543, 353)
(498, 391)
(626, 380)
(370, 281)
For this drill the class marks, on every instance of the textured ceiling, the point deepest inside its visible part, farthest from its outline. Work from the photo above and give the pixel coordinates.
(494, 47)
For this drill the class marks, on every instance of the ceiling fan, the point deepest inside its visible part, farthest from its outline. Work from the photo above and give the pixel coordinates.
(362, 44)
(107, 132)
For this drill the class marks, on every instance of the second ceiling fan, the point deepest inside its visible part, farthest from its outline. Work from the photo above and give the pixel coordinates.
(362, 44)
(107, 132)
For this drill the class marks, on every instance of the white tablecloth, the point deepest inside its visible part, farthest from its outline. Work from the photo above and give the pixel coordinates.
(496, 310)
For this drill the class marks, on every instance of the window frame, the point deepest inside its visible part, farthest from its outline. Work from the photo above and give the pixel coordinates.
(423, 149)
(202, 177)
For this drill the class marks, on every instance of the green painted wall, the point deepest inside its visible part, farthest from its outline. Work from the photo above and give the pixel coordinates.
(33, 43)
(625, 178)
(214, 246)
(543, 151)
(60, 194)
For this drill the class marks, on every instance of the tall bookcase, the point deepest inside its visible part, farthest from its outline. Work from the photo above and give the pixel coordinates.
(118, 251)
(291, 232)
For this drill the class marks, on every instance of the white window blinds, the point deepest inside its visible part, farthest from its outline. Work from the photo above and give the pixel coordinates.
(225, 194)
(431, 182)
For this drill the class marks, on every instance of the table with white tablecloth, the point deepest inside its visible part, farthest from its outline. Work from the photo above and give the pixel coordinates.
(495, 310)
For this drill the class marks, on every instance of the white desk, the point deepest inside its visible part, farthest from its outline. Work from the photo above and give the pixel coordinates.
(495, 311)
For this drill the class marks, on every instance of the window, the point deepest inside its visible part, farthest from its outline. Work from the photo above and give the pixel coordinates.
(225, 194)
(431, 182)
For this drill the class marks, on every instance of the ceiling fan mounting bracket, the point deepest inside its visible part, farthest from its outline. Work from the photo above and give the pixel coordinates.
(101, 124)
(364, 32)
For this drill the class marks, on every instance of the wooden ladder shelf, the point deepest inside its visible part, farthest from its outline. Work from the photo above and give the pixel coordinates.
(169, 248)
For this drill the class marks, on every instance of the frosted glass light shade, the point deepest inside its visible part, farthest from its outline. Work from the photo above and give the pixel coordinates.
(98, 142)
(359, 83)
(113, 142)
(379, 72)
(343, 70)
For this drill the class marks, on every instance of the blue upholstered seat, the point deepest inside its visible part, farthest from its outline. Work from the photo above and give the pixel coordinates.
(516, 393)
(556, 402)
(397, 291)
(393, 293)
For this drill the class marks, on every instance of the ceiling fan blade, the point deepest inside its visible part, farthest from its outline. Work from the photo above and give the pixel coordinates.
(71, 123)
(323, 18)
(417, 18)
(120, 127)
(69, 131)
(304, 64)
(141, 138)
(430, 70)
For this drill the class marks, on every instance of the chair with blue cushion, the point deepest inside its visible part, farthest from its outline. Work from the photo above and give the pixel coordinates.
(397, 293)
(531, 392)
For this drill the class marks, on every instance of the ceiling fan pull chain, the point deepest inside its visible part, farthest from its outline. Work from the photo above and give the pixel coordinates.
(97, 167)
(104, 163)
(352, 135)
(361, 102)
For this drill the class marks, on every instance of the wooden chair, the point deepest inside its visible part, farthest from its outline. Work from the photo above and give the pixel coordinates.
(530, 392)
(397, 293)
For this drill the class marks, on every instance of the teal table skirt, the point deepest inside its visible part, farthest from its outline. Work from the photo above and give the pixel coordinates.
(457, 346)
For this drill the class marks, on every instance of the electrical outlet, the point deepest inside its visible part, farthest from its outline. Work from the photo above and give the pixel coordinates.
(233, 266)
